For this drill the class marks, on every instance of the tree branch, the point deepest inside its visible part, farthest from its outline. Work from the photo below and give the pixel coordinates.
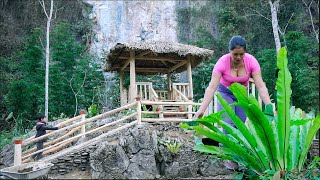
(311, 19)
(43, 7)
(257, 14)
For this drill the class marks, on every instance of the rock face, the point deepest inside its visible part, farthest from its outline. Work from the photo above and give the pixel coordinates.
(138, 155)
(6, 155)
(133, 157)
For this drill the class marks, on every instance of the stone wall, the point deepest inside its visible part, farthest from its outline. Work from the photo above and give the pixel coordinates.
(74, 161)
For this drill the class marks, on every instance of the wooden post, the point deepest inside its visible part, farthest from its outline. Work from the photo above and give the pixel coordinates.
(17, 152)
(215, 106)
(133, 89)
(161, 111)
(190, 109)
(190, 77)
(121, 88)
(169, 85)
(83, 118)
(139, 110)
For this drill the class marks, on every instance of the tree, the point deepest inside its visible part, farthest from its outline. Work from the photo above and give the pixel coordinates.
(47, 53)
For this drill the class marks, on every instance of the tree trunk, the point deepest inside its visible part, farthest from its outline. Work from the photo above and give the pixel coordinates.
(275, 25)
(47, 59)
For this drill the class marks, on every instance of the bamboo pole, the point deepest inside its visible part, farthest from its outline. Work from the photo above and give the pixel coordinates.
(80, 135)
(161, 112)
(121, 88)
(181, 94)
(54, 141)
(165, 120)
(190, 77)
(55, 149)
(62, 124)
(169, 103)
(17, 158)
(83, 118)
(88, 143)
(215, 107)
(80, 123)
(133, 91)
(169, 85)
(139, 112)
(166, 112)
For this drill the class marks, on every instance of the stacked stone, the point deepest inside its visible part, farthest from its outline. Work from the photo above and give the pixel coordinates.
(73, 161)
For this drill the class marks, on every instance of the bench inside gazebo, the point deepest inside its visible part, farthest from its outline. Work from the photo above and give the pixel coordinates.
(150, 58)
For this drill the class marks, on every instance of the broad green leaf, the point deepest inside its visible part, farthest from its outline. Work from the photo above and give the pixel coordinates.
(313, 130)
(264, 131)
(304, 129)
(184, 126)
(239, 91)
(232, 145)
(300, 122)
(294, 148)
(283, 104)
(237, 121)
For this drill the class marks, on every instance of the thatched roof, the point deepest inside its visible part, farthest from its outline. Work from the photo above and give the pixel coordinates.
(160, 55)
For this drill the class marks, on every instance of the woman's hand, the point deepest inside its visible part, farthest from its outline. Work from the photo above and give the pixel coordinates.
(198, 114)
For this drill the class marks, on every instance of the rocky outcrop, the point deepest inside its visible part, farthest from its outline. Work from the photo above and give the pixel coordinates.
(133, 157)
(138, 155)
(6, 155)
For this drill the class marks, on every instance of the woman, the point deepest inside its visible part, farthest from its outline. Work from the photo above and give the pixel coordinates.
(236, 66)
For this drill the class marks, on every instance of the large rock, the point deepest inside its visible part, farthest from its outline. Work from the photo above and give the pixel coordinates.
(6, 155)
(184, 164)
(132, 158)
(137, 155)
(212, 167)
(108, 162)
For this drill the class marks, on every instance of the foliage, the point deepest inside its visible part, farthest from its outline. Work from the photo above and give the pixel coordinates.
(269, 144)
(172, 146)
(213, 24)
(92, 111)
(75, 80)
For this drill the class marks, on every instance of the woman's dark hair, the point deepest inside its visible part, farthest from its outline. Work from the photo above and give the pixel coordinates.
(237, 41)
(40, 116)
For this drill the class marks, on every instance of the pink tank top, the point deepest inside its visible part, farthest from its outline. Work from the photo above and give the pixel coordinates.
(223, 68)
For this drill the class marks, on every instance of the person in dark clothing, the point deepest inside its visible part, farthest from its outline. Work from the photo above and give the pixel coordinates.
(41, 128)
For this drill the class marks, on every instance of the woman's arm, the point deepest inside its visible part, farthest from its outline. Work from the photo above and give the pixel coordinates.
(261, 87)
(208, 95)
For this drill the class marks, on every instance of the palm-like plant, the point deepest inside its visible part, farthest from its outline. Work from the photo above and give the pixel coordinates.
(268, 143)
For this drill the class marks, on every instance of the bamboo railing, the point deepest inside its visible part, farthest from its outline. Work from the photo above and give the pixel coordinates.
(183, 88)
(70, 131)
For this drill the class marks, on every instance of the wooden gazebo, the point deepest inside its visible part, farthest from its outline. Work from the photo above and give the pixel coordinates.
(141, 58)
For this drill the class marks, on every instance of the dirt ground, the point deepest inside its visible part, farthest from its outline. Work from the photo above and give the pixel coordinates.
(72, 175)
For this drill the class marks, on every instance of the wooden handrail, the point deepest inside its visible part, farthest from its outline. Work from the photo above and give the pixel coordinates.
(180, 93)
(80, 135)
(54, 141)
(90, 142)
(61, 124)
(164, 119)
(155, 95)
(170, 103)
(180, 84)
(166, 112)
(80, 123)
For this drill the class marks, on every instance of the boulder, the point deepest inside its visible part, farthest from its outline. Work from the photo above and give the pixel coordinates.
(108, 162)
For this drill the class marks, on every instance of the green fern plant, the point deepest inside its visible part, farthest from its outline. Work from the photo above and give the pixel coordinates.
(269, 145)
(172, 146)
